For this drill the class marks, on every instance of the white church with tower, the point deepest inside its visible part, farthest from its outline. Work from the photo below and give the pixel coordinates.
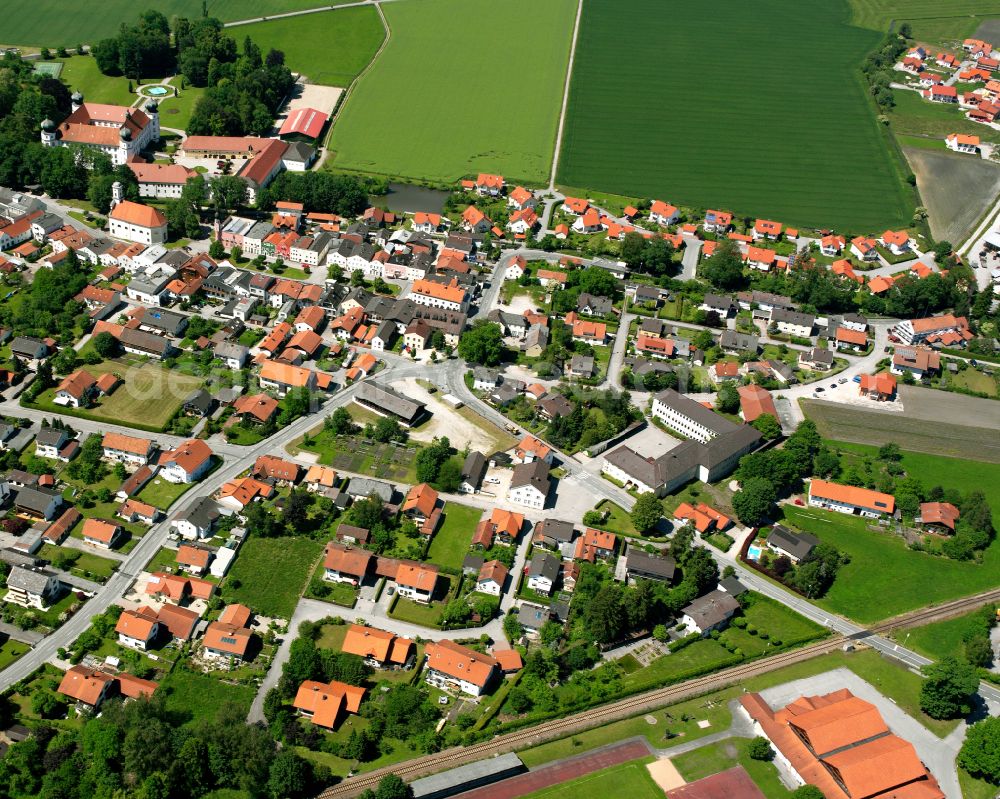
(120, 132)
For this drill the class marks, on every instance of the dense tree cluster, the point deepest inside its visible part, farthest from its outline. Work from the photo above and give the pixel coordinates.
(141, 751)
(317, 191)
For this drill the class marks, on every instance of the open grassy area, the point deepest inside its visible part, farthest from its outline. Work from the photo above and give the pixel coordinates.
(162, 493)
(270, 574)
(939, 639)
(884, 578)
(450, 543)
(330, 48)
(719, 145)
(197, 696)
(147, 399)
(629, 779)
(51, 23)
(500, 117)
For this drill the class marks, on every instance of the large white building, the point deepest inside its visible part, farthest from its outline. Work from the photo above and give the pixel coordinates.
(118, 131)
(137, 222)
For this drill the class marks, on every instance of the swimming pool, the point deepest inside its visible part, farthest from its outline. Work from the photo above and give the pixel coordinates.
(753, 552)
(157, 91)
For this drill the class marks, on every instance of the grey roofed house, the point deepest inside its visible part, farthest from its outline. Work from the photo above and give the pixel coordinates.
(733, 341)
(37, 500)
(535, 474)
(364, 487)
(581, 365)
(711, 610)
(797, 545)
(652, 326)
(732, 586)
(555, 405)
(32, 581)
(643, 565)
(818, 356)
(203, 514)
(146, 342)
(533, 617)
(781, 369)
(553, 532)
(717, 302)
(545, 565)
(779, 315)
(594, 305)
(227, 350)
(474, 468)
(538, 335)
(472, 563)
(198, 402)
(29, 348)
(166, 322)
(51, 437)
(386, 401)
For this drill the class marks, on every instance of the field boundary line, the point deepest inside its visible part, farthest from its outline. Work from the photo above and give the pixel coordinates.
(565, 99)
(342, 102)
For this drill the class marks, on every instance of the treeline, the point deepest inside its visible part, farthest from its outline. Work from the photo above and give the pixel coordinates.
(143, 750)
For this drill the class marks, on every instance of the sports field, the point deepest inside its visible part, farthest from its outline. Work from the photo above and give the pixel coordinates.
(778, 126)
(462, 86)
(329, 48)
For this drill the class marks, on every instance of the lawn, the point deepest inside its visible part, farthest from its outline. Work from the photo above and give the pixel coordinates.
(54, 23)
(330, 48)
(197, 696)
(270, 574)
(628, 779)
(450, 543)
(162, 493)
(10, 651)
(500, 114)
(148, 398)
(759, 148)
(884, 578)
(80, 74)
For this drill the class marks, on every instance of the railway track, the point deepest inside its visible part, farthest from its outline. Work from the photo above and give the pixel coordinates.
(643, 702)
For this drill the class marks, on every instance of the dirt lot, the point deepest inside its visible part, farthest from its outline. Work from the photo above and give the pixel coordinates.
(447, 421)
(935, 422)
(956, 189)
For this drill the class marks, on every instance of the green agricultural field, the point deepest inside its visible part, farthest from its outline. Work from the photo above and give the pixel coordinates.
(884, 577)
(330, 48)
(55, 23)
(777, 131)
(932, 21)
(480, 108)
(270, 574)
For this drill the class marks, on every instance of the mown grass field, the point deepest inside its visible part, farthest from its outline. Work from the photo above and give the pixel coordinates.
(54, 23)
(778, 127)
(331, 48)
(270, 573)
(479, 107)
